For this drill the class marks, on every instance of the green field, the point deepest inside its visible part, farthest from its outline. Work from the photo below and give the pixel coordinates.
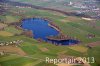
(57, 4)
(37, 51)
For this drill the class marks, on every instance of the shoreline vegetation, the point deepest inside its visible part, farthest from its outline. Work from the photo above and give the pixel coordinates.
(31, 52)
(30, 34)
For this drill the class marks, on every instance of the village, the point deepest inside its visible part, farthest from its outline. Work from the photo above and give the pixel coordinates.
(14, 43)
(18, 46)
(86, 7)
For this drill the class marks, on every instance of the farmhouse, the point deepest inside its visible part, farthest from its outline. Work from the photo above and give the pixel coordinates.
(17, 42)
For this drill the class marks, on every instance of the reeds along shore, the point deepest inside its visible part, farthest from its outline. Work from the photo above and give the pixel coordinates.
(50, 23)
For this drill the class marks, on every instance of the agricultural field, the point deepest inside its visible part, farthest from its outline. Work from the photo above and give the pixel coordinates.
(13, 30)
(32, 52)
(11, 19)
(2, 26)
(4, 33)
(56, 4)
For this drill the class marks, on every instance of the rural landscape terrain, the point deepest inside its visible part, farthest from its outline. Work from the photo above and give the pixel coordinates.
(77, 19)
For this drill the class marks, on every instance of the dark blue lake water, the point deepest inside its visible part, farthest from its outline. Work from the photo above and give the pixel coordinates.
(41, 30)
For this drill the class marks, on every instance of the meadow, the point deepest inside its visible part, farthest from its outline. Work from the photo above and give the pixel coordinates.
(37, 51)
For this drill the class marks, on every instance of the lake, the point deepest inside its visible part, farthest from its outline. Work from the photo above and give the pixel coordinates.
(41, 30)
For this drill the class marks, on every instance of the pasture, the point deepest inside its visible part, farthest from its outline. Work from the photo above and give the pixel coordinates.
(4, 33)
(81, 49)
(37, 51)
